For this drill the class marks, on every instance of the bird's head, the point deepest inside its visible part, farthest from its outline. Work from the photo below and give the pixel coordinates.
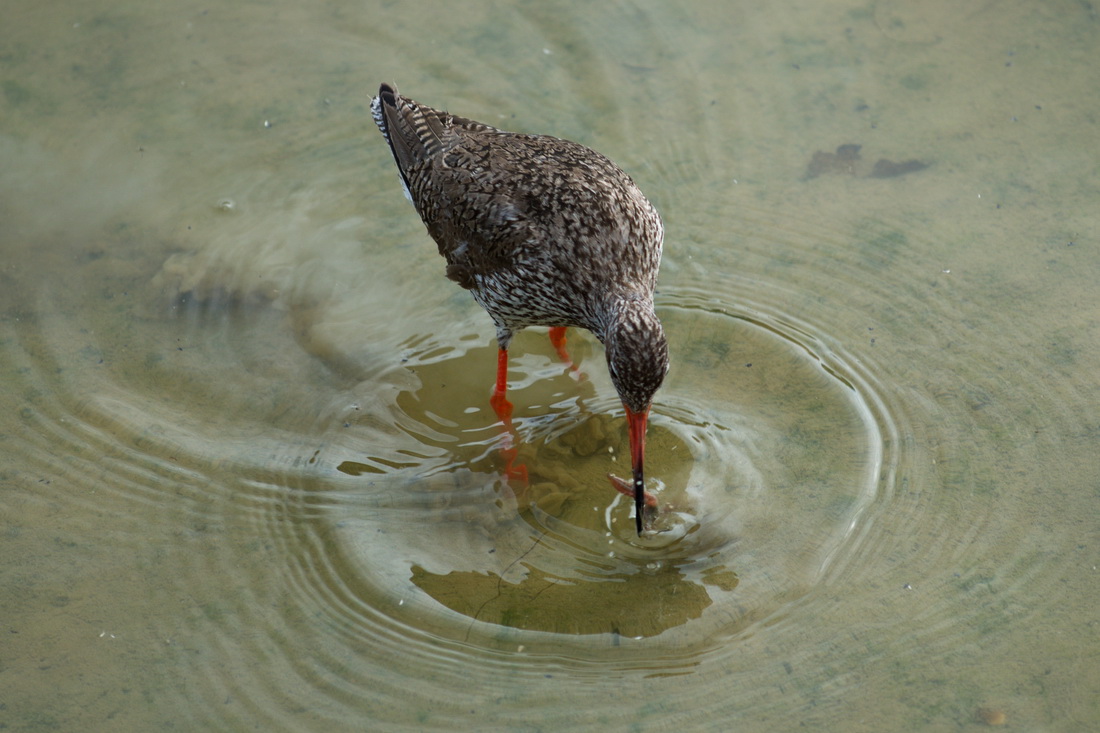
(637, 358)
(637, 352)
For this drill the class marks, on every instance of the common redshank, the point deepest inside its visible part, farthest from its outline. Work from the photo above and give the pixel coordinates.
(542, 232)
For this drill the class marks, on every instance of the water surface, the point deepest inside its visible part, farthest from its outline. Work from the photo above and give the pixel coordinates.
(249, 476)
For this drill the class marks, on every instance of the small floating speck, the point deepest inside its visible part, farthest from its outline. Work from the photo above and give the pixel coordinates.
(992, 716)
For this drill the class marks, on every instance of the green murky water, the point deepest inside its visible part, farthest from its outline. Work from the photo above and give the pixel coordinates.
(249, 477)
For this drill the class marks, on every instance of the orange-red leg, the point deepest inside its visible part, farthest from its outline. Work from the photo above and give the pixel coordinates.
(503, 408)
(557, 338)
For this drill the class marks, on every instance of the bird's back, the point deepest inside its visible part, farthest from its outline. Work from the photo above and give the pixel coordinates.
(544, 231)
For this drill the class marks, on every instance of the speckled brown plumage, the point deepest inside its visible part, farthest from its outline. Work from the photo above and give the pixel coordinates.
(542, 232)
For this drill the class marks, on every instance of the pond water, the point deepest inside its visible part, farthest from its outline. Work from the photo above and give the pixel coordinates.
(249, 476)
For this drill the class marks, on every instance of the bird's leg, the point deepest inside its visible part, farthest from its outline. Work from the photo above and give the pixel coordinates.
(503, 408)
(557, 338)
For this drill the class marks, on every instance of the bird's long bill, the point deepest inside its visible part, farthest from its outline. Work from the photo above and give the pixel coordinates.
(636, 422)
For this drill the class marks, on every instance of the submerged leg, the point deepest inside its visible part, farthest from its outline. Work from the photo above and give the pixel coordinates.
(557, 338)
(503, 408)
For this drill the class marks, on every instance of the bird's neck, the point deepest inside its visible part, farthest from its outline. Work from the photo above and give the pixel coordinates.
(637, 351)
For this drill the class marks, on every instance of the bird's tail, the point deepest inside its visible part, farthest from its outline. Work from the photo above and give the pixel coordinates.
(414, 132)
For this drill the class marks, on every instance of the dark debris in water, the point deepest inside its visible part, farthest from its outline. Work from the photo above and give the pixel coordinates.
(889, 169)
(847, 161)
(842, 162)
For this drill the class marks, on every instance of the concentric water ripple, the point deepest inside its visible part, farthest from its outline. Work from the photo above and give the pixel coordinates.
(760, 498)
